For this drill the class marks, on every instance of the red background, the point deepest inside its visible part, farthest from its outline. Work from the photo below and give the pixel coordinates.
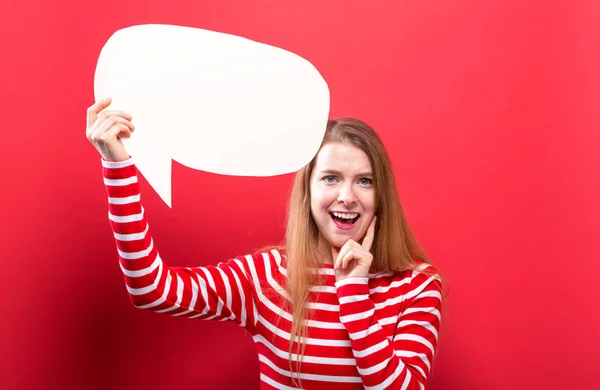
(490, 113)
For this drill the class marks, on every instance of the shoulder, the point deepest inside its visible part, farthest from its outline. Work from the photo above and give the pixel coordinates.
(425, 279)
(423, 269)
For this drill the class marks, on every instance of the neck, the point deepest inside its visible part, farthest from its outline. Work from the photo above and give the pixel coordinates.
(325, 251)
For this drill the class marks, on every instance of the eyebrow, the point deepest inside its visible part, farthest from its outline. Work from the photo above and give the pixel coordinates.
(334, 172)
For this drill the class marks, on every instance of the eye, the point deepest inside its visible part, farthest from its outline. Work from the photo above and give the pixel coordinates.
(365, 181)
(329, 179)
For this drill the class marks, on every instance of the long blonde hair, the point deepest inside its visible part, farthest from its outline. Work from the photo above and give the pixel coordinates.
(394, 248)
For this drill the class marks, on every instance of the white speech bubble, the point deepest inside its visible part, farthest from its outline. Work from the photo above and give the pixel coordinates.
(212, 101)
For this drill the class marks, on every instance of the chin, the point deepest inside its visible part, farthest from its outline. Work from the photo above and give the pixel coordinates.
(340, 241)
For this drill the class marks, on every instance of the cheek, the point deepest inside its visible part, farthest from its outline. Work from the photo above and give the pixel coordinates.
(373, 203)
(316, 202)
(314, 208)
(320, 198)
(368, 203)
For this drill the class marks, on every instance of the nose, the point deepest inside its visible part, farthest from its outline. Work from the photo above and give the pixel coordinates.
(346, 194)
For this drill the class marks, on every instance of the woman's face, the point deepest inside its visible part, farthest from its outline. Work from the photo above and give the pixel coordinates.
(342, 193)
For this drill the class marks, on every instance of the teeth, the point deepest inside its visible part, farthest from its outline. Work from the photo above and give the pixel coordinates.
(345, 215)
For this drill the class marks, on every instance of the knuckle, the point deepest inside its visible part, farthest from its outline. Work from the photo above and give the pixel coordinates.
(111, 122)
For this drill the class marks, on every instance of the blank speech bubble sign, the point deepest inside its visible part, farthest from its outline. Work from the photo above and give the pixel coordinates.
(212, 101)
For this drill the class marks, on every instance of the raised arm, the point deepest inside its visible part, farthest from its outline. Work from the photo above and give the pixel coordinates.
(221, 292)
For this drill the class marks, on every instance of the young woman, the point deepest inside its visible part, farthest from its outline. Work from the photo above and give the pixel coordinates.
(349, 301)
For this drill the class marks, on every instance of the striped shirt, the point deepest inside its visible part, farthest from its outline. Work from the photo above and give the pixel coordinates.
(376, 332)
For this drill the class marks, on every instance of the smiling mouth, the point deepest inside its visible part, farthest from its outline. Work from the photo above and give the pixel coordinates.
(344, 220)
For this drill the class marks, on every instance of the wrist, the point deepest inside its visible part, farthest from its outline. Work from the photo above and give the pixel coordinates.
(119, 158)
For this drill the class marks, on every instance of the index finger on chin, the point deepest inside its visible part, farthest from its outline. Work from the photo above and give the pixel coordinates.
(370, 235)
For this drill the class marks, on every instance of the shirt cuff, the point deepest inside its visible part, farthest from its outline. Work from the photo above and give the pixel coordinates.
(115, 170)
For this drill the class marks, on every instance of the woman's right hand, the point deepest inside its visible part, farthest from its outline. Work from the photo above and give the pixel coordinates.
(105, 130)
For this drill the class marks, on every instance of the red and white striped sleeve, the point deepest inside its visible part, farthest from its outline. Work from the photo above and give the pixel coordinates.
(221, 292)
(405, 361)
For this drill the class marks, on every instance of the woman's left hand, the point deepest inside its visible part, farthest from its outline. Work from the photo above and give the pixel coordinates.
(354, 259)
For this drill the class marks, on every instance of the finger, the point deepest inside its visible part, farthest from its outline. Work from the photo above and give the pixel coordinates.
(349, 246)
(348, 257)
(110, 122)
(117, 131)
(105, 117)
(94, 109)
(119, 113)
(337, 260)
(370, 235)
(108, 135)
